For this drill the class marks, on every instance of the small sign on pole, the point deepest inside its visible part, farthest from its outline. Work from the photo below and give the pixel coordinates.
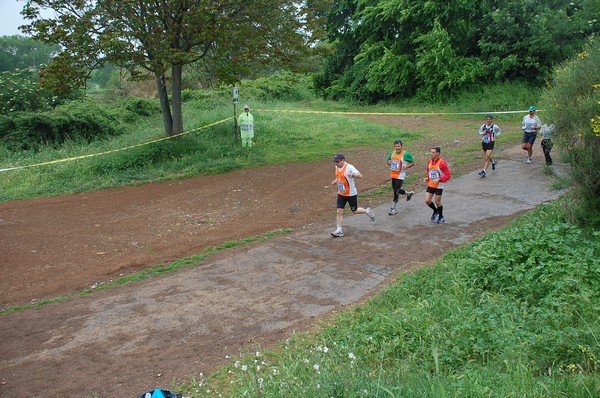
(235, 121)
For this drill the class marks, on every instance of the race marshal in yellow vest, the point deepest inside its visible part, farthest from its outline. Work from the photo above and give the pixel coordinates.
(246, 123)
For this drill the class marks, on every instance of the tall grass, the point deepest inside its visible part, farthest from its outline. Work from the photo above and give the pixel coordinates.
(515, 314)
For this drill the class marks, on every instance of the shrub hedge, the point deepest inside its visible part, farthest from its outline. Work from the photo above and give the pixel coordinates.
(78, 121)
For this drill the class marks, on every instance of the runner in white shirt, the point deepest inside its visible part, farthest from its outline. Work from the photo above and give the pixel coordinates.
(345, 174)
(531, 125)
(489, 131)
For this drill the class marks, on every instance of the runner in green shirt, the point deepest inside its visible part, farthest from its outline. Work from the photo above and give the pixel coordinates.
(399, 160)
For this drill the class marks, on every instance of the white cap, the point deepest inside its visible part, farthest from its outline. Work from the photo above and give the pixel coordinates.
(246, 106)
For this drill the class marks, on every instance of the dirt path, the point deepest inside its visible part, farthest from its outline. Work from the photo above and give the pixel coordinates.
(52, 246)
(102, 344)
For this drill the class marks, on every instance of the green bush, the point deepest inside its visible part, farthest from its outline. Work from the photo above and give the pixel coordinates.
(208, 99)
(19, 91)
(282, 86)
(31, 131)
(548, 284)
(131, 109)
(78, 121)
(573, 104)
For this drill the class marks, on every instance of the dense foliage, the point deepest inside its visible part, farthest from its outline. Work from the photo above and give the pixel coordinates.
(77, 121)
(401, 48)
(21, 59)
(20, 91)
(20, 52)
(573, 102)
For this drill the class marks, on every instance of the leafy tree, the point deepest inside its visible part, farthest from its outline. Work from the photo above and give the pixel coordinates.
(398, 48)
(149, 37)
(439, 68)
(526, 39)
(379, 44)
(21, 59)
(20, 52)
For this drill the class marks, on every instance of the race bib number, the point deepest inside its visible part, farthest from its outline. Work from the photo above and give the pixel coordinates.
(486, 139)
(341, 187)
(434, 174)
(395, 165)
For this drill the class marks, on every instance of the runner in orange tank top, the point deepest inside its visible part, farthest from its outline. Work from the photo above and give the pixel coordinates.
(399, 161)
(437, 174)
(345, 174)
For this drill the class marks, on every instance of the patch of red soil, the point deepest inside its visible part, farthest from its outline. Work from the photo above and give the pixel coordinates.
(54, 246)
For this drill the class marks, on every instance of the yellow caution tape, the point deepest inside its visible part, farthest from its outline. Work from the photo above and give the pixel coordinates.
(388, 113)
(258, 110)
(113, 150)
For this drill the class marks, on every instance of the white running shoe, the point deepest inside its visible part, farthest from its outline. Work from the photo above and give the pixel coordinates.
(529, 160)
(393, 212)
(370, 214)
(338, 233)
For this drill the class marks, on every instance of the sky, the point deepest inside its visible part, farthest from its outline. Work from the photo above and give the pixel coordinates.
(10, 12)
(11, 17)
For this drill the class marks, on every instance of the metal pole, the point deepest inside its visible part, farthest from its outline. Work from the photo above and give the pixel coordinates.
(235, 116)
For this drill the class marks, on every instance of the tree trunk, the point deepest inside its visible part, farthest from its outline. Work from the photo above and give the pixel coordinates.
(165, 108)
(176, 71)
